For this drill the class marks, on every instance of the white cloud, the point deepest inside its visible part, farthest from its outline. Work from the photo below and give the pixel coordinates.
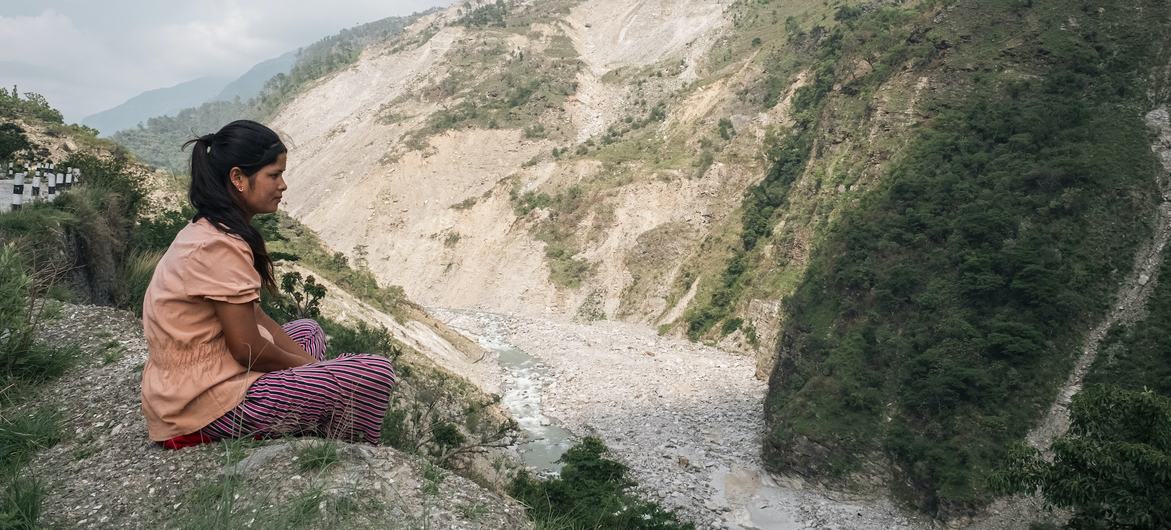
(89, 56)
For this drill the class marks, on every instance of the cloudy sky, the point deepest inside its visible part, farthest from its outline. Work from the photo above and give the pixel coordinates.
(89, 55)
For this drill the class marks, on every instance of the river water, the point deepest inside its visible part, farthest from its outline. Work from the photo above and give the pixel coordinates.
(543, 440)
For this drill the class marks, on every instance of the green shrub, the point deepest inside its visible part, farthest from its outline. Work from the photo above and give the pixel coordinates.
(302, 296)
(725, 129)
(443, 417)
(12, 140)
(22, 435)
(592, 492)
(486, 15)
(360, 338)
(731, 325)
(32, 105)
(158, 232)
(135, 276)
(1113, 467)
(20, 503)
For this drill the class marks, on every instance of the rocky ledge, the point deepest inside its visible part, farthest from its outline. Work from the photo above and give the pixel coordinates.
(104, 473)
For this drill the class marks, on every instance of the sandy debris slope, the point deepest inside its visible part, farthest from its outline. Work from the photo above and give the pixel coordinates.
(354, 182)
(614, 33)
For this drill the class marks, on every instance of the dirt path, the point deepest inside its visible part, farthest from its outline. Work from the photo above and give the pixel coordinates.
(1132, 296)
(686, 418)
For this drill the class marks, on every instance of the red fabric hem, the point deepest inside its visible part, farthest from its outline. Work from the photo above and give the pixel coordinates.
(186, 440)
(192, 440)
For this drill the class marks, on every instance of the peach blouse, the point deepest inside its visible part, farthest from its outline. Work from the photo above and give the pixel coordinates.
(190, 377)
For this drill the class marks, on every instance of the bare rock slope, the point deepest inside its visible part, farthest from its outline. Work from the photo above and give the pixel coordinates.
(437, 211)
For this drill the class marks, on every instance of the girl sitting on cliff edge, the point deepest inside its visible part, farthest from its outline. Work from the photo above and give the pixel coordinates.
(219, 367)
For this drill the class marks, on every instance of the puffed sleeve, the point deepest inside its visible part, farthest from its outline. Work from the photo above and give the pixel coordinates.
(221, 269)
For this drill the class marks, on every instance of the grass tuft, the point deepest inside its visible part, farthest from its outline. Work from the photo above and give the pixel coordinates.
(317, 455)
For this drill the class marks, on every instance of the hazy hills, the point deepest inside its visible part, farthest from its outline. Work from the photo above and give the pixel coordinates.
(170, 100)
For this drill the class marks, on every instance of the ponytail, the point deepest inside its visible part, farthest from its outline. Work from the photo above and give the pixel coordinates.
(249, 146)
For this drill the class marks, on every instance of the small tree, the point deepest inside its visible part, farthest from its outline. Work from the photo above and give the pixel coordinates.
(305, 295)
(12, 140)
(1113, 467)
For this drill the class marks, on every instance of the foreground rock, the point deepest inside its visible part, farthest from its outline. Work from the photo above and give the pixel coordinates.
(105, 474)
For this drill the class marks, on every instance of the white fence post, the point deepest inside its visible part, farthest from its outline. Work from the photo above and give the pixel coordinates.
(18, 191)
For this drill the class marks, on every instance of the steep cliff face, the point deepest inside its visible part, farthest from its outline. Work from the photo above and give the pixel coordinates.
(548, 166)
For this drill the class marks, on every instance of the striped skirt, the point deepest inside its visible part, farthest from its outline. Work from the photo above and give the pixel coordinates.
(343, 398)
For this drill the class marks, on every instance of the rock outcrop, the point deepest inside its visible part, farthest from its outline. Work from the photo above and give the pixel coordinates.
(104, 473)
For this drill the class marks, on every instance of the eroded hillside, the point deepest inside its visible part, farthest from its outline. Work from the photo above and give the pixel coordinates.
(592, 159)
(549, 165)
(907, 211)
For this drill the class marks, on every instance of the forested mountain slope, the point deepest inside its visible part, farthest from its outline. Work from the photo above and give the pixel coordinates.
(938, 316)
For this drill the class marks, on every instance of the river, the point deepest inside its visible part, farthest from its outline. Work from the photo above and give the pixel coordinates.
(687, 419)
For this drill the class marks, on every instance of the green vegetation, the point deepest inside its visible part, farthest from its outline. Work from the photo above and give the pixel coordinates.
(81, 239)
(761, 203)
(229, 502)
(486, 15)
(513, 15)
(31, 106)
(883, 38)
(566, 210)
(443, 418)
(304, 295)
(592, 492)
(938, 314)
(317, 455)
(12, 140)
(513, 94)
(1113, 467)
(34, 262)
(20, 438)
(1137, 357)
(158, 141)
(34, 109)
(288, 239)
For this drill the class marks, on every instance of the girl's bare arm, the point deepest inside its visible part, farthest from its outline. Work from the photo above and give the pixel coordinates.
(248, 347)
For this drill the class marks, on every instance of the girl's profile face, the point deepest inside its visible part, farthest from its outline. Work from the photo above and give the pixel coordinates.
(261, 193)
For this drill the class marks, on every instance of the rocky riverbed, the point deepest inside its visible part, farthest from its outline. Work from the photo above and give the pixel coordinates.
(686, 418)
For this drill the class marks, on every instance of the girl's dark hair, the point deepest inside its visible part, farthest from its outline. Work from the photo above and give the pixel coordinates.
(249, 146)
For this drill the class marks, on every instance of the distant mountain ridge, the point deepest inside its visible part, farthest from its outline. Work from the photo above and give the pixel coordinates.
(251, 82)
(170, 100)
(155, 102)
(156, 139)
